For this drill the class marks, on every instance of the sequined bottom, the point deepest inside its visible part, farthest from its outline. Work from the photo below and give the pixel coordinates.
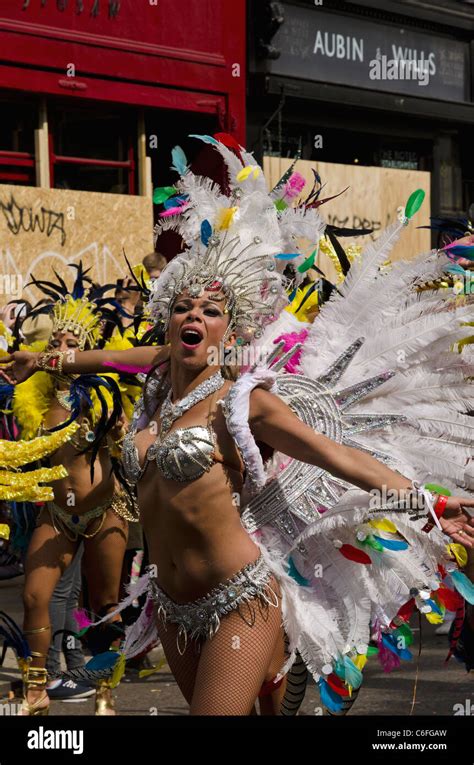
(200, 619)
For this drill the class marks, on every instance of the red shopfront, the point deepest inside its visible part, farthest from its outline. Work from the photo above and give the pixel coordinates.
(94, 93)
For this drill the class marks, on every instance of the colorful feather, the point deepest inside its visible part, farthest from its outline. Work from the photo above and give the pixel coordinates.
(204, 138)
(295, 574)
(335, 683)
(459, 552)
(329, 698)
(354, 554)
(206, 232)
(161, 194)
(294, 186)
(246, 172)
(463, 586)
(177, 201)
(392, 544)
(404, 631)
(390, 642)
(81, 618)
(231, 143)
(174, 210)
(180, 163)
(354, 676)
(450, 599)
(414, 203)
(384, 525)
(127, 368)
(105, 660)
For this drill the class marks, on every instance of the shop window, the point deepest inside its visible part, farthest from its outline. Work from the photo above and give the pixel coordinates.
(92, 149)
(17, 144)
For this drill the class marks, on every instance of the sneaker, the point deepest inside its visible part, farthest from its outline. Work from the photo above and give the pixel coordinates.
(69, 690)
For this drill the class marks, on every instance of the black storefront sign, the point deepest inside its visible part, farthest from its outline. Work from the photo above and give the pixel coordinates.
(325, 47)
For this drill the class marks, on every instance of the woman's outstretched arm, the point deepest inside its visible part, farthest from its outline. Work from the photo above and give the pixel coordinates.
(19, 366)
(273, 423)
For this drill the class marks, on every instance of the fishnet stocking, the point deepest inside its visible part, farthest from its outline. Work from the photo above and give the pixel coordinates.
(183, 667)
(225, 677)
(246, 651)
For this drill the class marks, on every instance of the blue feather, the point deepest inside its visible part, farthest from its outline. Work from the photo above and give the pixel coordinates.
(463, 586)
(105, 660)
(354, 676)
(435, 607)
(461, 251)
(206, 232)
(175, 201)
(340, 669)
(180, 163)
(390, 642)
(329, 698)
(391, 544)
(287, 256)
(205, 138)
(457, 270)
(295, 574)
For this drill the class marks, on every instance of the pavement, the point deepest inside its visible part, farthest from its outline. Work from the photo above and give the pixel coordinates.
(440, 689)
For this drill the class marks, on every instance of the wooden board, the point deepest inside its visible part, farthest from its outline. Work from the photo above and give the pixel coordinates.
(44, 228)
(372, 199)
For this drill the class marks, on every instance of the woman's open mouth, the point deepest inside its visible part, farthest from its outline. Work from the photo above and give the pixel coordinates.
(191, 338)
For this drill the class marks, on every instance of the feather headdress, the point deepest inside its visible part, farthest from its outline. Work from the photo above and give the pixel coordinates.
(237, 244)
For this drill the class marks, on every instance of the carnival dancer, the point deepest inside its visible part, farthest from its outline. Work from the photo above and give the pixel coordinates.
(89, 506)
(307, 554)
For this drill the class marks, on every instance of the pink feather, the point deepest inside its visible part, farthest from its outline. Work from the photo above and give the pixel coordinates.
(133, 370)
(291, 339)
(174, 210)
(81, 618)
(387, 658)
(294, 186)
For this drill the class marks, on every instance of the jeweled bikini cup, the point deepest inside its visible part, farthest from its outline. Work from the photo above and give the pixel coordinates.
(183, 455)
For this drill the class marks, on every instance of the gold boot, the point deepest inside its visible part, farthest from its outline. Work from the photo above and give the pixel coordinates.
(34, 678)
(104, 701)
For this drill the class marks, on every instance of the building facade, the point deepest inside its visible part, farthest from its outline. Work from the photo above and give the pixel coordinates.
(93, 96)
(374, 83)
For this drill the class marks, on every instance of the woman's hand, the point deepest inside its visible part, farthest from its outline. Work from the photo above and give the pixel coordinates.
(457, 521)
(18, 366)
(7, 315)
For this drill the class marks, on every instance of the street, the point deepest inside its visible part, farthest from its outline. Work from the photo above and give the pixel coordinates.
(441, 689)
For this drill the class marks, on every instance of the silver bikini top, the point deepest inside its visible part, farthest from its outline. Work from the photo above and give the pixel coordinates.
(182, 455)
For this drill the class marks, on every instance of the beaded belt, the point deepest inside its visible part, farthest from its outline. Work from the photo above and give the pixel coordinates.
(200, 619)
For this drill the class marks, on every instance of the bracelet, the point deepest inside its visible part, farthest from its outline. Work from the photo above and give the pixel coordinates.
(439, 508)
(51, 361)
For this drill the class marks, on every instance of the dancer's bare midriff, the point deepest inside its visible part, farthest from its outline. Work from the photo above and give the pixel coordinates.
(76, 493)
(193, 528)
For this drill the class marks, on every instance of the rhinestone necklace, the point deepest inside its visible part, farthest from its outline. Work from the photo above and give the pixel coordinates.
(171, 412)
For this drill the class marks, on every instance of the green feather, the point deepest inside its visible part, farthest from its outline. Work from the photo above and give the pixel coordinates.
(308, 263)
(163, 193)
(404, 631)
(370, 541)
(414, 203)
